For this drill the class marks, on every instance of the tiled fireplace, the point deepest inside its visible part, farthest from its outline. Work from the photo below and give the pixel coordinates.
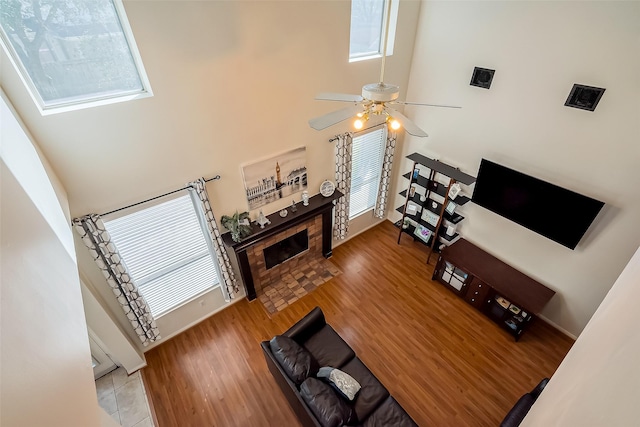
(262, 276)
(316, 219)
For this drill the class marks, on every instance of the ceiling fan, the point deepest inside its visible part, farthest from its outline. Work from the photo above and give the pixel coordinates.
(376, 100)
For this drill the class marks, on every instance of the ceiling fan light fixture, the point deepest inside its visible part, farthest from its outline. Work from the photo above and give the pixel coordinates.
(380, 92)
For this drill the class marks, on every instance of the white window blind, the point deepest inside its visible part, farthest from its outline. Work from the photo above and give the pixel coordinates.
(366, 165)
(166, 253)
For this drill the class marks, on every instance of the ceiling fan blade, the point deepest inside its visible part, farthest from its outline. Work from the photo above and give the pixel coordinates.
(332, 118)
(426, 105)
(342, 97)
(408, 125)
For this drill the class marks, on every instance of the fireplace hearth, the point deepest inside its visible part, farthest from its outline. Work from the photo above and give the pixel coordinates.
(315, 220)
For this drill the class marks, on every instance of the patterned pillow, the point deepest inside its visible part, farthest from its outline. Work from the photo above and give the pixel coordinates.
(295, 360)
(342, 381)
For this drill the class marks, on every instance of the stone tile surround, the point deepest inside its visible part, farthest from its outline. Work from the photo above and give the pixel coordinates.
(263, 277)
(295, 284)
(285, 283)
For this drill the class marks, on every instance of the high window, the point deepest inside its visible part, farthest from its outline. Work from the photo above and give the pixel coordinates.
(165, 251)
(73, 53)
(368, 20)
(366, 166)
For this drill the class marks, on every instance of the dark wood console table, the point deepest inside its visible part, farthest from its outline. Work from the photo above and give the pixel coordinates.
(318, 205)
(504, 294)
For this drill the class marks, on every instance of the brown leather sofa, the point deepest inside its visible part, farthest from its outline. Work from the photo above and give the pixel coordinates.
(521, 408)
(317, 344)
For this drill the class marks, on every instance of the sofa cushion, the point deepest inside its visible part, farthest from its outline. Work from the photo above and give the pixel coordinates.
(328, 348)
(297, 362)
(389, 414)
(330, 409)
(371, 393)
(344, 383)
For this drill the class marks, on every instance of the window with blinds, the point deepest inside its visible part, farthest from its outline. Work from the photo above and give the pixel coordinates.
(366, 165)
(166, 253)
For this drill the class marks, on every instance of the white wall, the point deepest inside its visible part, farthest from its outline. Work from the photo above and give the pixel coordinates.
(597, 382)
(233, 82)
(539, 49)
(47, 379)
(118, 344)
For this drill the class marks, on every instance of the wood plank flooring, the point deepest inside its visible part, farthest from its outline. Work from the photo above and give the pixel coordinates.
(445, 363)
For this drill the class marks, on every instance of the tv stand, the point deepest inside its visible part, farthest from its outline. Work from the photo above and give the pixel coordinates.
(504, 294)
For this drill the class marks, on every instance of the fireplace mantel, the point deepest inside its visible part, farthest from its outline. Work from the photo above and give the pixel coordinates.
(318, 205)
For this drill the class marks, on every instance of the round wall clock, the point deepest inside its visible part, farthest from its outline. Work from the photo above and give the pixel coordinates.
(327, 188)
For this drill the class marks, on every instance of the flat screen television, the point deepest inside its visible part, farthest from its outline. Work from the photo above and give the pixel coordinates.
(557, 213)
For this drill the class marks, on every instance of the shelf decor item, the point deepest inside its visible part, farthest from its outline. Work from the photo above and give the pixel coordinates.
(422, 232)
(454, 190)
(262, 220)
(430, 217)
(450, 208)
(327, 188)
(238, 224)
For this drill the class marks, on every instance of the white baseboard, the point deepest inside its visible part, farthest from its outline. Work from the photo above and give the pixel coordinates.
(195, 322)
(556, 326)
(351, 236)
(136, 368)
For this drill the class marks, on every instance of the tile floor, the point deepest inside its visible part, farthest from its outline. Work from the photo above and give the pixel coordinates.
(124, 398)
(296, 284)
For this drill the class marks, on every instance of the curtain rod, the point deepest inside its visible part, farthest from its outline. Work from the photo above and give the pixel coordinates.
(215, 178)
(361, 130)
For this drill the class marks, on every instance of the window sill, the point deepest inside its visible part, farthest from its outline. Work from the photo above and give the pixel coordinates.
(185, 302)
(359, 214)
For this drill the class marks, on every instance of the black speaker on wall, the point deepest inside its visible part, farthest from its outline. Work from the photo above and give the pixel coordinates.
(584, 97)
(482, 77)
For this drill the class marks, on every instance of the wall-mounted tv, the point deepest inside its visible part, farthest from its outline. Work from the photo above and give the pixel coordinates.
(557, 213)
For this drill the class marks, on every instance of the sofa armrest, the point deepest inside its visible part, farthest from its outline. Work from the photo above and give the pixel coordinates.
(289, 389)
(523, 405)
(307, 326)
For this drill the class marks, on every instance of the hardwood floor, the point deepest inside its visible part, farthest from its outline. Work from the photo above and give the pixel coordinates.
(442, 360)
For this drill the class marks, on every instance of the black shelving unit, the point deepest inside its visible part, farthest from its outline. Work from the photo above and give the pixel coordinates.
(427, 177)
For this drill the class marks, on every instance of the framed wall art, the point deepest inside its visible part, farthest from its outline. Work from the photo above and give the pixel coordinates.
(276, 177)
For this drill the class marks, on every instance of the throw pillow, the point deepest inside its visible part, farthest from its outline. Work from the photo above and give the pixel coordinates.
(296, 361)
(330, 410)
(344, 382)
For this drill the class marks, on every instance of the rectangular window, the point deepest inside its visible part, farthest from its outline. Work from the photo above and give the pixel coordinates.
(366, 166)
(368, 20)
(166, 253)
(72, 53)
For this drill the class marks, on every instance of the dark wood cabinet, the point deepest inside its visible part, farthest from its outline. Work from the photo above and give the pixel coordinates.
(505, 295)
(476, 293)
